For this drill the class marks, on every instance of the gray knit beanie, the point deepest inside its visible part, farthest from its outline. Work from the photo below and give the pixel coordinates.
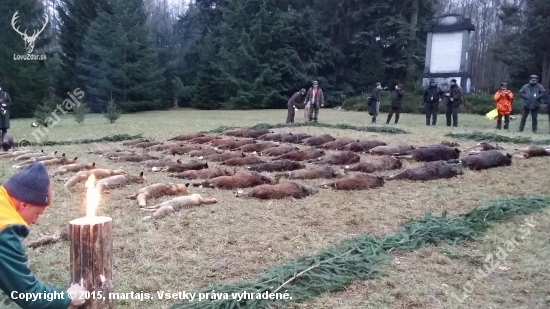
(31, 185)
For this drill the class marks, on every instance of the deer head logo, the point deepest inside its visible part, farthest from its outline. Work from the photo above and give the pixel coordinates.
(29, 40)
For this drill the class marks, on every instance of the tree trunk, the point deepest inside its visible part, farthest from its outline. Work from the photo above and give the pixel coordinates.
(545, 79)
(91, 259)
(411, 65)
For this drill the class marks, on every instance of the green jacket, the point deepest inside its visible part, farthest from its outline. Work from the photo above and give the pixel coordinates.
(16, 277)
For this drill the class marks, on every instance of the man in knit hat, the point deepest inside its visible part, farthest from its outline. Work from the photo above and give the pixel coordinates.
(24, 197)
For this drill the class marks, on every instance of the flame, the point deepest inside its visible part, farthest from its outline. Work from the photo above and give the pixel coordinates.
(92, 196)
(102, 278)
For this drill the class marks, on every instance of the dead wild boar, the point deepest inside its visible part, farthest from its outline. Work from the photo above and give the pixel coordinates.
(355, 182)
(429, 171)
(277, 191)
(339, 158)
(376, 164)
(276, 166)
(363, 146)
(318, 140)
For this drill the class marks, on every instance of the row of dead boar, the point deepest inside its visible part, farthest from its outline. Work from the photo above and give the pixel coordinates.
(249, 148)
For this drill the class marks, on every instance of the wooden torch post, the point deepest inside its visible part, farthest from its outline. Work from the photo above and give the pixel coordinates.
(92, 259)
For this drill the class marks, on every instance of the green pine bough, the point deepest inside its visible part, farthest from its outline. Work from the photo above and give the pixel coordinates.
(495, 138)
(105, 139)
(373, 129)
(357, 258)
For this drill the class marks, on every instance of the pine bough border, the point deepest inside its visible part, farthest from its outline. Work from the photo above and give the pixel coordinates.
(356, 258)
(372, 129)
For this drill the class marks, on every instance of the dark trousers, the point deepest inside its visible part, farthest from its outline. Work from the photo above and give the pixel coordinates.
(432, 109)
(290, 115)
(313, 113)
(506, 121)
(524, 114)
(452, 111)
(397, 110)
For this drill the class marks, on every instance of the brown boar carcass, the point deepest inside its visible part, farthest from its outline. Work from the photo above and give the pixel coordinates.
(531, 152)
(485, 160)
(355, 182)
(207, 173)
(278, 151)
(203, 152)
(278, 191)
(204, 139)
(220, 157)
(302, 155)
(256, 147)
(438, 152)
(363, 146)
(318, 140)
(314, 172)
(429, 171)
(376, 164)
(238, 180)
(294, 137)
(179, 167)
(186, 137)
(339, 158)
(240, 161)
(395, 148)
(276, 166)
(338, 144)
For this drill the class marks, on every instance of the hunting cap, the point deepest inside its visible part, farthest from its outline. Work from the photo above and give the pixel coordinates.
(504, 85)
(534, 77)
(303, 90)
(378, 84)
(453, 80)
(432, 80)
(315, 82)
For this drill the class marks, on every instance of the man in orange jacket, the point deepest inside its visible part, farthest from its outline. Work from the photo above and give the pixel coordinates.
(503, 97)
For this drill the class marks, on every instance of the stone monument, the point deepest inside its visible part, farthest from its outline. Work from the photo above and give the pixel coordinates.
(447, 50)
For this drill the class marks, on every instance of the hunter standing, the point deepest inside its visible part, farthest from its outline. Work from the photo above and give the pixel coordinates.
(291, 105)
(531, 93)
(373, 102)
(454, 99)
(5, 105)
(315, 96)
(396, 102)
(432, 96)
(503, 98)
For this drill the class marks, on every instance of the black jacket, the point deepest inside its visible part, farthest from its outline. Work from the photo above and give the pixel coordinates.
(532, 95)
(455, 92)
(432, 94)
(5, 118)
(397, 98)
(295, 99)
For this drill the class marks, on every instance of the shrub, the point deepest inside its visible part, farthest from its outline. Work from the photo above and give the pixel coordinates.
(79, 112)
(112, 113)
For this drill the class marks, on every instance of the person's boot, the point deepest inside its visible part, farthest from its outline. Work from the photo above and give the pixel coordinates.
(396, 119)
(373, 120)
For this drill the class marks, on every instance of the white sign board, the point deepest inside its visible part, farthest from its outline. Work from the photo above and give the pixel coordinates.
(446, 52)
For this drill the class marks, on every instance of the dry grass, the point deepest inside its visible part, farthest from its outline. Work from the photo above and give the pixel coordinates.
(237, 239)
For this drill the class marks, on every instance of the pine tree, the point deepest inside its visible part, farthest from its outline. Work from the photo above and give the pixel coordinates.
(121, 61)
(75, 17)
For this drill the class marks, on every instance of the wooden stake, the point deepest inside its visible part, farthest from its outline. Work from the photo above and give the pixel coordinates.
(92, 259)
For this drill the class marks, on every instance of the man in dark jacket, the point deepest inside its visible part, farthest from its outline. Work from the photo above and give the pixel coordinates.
(396, 102)
(24, 197)
(454, 99)
(5, 105)
(291, 105)
(315, 96)
(532, 94)
(432, 96)
(373, 102)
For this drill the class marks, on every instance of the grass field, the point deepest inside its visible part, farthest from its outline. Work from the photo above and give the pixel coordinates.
(237, 239)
